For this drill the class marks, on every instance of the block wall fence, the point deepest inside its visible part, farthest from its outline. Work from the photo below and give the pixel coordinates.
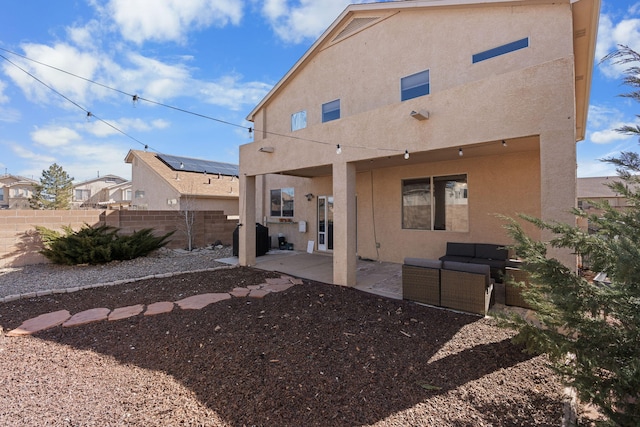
(20, 243)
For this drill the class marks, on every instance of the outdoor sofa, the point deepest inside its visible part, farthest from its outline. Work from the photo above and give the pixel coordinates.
(493, 255)
(455, 285)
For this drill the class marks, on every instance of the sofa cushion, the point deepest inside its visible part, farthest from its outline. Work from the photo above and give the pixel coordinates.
(491, 251)
(461, 249)
(493, 263)
(480, 269)
(455, 258)
(423, 262)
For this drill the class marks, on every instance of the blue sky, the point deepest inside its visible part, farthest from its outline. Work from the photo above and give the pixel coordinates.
(215, 58)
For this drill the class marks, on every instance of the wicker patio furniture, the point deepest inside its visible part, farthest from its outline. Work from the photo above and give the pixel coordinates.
(421, 280)
(513, 294)
(466, 287)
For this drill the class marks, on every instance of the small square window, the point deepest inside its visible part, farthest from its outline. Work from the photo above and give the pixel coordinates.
(414, 85)
(331, 111)
(298, 120)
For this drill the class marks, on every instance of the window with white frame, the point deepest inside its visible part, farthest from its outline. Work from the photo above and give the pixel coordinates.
(414, 85)
(126, 194)
(298, 120)
(282, 202)
(435, 203)
(331, 111)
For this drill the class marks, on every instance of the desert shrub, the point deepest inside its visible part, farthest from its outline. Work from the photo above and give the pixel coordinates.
(97, 245)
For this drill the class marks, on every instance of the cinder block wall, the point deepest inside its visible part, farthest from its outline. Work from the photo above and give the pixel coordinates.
(19, 243)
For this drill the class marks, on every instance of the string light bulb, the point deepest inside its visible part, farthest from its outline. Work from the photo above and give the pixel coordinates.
(406, 154)
(338, 149)
(460, 152)
(181, 165)
(504, 143)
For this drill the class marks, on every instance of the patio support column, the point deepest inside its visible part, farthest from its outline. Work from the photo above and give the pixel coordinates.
(557, 147)
(344, 224)
(247, 234)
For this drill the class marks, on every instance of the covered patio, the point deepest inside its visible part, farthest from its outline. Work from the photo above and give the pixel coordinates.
(380, 278)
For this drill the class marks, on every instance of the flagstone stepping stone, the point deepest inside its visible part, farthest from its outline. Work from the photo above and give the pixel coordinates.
(255, 286)
(124, 312)
(159, 308)
(239, 292)
(87, 316)
(40, 323)
(258, 293)
(278, 287)
(197, 302)
(278, 281)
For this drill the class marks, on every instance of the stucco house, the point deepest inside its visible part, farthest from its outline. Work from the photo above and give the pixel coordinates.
(91, 194)
(15, 191)
(410, 124)
(167, 182)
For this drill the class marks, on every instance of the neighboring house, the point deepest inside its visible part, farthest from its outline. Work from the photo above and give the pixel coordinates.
(410, 124)
(166, 182)
(596, 190)
(117, 196)
(90, 194)
(15, 191)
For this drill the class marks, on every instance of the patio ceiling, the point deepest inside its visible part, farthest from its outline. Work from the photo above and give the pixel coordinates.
(493, 148)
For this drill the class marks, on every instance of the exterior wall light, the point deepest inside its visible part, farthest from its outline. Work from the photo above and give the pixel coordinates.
(267, 149)
(420, 115)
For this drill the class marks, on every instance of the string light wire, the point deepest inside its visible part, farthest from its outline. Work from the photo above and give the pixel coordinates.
(137, 98)
(89, 113)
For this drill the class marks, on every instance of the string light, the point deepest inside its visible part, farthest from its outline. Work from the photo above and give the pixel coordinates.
(338, 149)
(460, 152)
(406, 154)
(504, 143)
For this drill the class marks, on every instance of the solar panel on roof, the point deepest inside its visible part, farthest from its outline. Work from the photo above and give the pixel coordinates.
(188, 164)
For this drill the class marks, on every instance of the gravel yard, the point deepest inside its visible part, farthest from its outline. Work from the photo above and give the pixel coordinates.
(313, 355)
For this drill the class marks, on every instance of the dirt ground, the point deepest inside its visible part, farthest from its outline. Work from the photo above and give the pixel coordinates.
(313, 355)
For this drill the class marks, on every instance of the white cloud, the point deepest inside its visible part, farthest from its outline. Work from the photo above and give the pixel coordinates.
(101, 129)
(54, 136)
(603, 121)
(612, 34)
(170, 20)
(3, 98)
(62, 56)
(608, 136)
(231, 93)
(296, 21)
(24, 153)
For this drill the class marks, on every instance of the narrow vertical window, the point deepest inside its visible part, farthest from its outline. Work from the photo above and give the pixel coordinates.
(331, 111)
(416, 204)
(451, 203)
(414, 85)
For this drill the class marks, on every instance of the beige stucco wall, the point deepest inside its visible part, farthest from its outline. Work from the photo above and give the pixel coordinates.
(521, 96)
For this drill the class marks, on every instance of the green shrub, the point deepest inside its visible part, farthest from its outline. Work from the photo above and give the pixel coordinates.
(97, 245)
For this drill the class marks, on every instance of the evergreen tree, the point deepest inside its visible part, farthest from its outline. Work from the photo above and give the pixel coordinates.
(591, 328)
(54, 190)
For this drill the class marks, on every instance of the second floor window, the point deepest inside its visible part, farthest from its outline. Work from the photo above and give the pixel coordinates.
(298, 120)
(414, 85)
(331, 111)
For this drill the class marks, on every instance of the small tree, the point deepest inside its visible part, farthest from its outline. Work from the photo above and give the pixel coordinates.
(591, 329)
(53, 191)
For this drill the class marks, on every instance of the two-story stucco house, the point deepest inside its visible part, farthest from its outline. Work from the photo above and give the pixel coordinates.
(410, 124)
(91, 193)
(15, 191)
